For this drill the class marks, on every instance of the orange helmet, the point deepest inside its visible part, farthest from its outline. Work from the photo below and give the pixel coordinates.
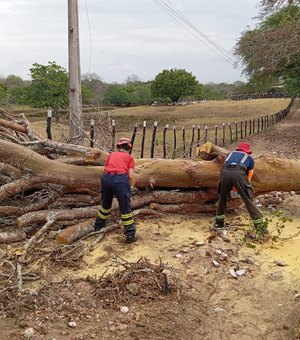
(124, 141)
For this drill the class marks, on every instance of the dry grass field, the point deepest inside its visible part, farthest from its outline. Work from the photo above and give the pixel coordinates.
(208, 113)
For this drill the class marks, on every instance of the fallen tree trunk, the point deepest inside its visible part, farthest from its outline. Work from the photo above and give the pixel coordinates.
(271, 173)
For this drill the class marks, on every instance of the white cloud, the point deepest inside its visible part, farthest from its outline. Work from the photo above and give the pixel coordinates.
(132, 36)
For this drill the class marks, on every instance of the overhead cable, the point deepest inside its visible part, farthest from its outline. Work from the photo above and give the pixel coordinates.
(183, 21)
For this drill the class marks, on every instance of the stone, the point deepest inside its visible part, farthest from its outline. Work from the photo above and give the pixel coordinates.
(29, 333)
(124, 309)
(72, 324)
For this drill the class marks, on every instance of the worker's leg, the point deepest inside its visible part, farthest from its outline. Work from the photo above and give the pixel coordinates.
(245, 190)
(224, 188)
(105, 207)
(123, 194)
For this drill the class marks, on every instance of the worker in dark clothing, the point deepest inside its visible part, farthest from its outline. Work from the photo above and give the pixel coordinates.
(236, 175)
(116, 181)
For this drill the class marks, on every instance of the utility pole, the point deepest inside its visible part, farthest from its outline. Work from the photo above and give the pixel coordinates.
(75, 100)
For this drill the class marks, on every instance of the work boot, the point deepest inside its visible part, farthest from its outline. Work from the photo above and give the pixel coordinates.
(129, 240)
(219, 224)
(99, 224)
(129, 232)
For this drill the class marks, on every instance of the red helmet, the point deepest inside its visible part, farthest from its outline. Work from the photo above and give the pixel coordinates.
(124, 141)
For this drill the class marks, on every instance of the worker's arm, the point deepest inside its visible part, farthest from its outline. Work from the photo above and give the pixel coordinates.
(250, 175)
(131, 178)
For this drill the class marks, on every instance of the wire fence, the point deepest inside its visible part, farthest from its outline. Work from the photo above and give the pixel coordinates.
(171, 142)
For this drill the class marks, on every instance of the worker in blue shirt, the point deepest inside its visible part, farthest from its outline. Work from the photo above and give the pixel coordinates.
(235, 178)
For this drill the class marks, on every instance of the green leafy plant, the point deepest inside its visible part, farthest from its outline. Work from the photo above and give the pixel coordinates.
(272, 225)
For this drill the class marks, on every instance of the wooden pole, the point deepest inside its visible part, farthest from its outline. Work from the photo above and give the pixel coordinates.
(164, 140)
(205, 136)
(216, 134)
(143, 138)
(153, 138)
(49, 120)
(192, 140)
(183, 142)
(113, 141)
(175, 142)
(241, 130)
(76, 133)
(230, 132)
(198, 135)
(246, 125)
(250, 127)
(223, 138)
(92, 132)
(133, 136)
(236, 131)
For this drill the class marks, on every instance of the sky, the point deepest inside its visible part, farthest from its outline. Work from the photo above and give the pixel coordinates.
(119, 38)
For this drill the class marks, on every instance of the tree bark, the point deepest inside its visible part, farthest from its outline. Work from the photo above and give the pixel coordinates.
(271, 173)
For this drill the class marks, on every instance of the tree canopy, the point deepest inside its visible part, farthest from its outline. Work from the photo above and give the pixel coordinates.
(49, 87)
(175, 84)
(273, 48)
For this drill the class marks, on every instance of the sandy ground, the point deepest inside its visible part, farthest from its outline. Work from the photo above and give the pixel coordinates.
(205, 301)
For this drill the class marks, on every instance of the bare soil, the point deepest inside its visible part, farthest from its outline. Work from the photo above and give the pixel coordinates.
(205, 300)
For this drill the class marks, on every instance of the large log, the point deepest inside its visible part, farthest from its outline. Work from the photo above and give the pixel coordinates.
(271, 173)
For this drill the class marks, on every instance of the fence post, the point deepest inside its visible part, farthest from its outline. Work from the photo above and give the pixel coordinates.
(49, 120)
(253, 126)
(236, 131)
(246, 125)
(258, 124)
(262, 123)
(133, 137)
(230, 132)
(183, 142)
(216, 134)
(250, 126)
(92, 132)
(143, 138)
(153, 138)
(192, 140)
(223, 127)
(242, 130)
(113, 123)
(164, 140)
(198, 135)
(175, 142)
(205, 136)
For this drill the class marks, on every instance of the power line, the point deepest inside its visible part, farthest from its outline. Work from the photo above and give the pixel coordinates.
(90, 34)
(177, 16)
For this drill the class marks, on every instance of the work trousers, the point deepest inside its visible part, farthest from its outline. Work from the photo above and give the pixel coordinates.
(236, 177)
(116, 185)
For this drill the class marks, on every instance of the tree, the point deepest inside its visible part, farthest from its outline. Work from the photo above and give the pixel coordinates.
(132, 79)
(268, 6)
(4, 96)
(13, 82)
(273, 48)
(117, 95)
(175, 84)
(96, 86)
(49, 87)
